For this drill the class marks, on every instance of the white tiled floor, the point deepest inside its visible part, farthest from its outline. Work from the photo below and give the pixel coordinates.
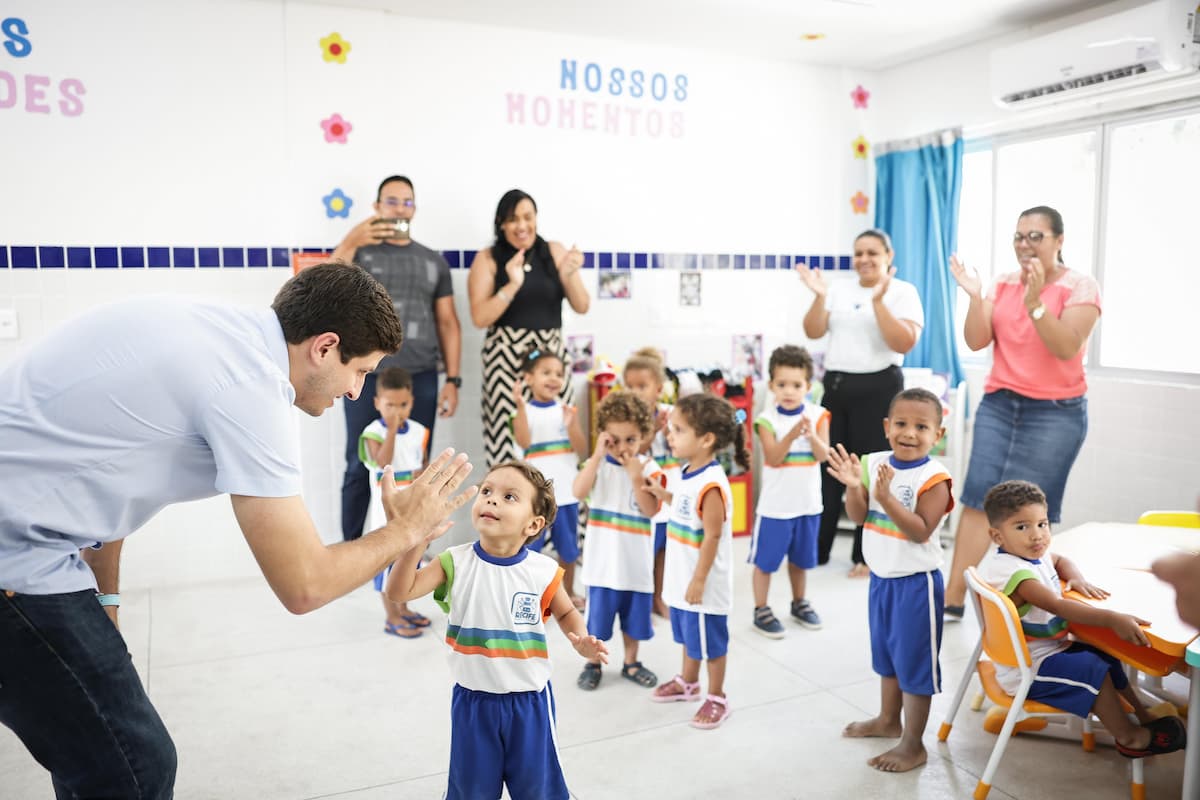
(265, 705)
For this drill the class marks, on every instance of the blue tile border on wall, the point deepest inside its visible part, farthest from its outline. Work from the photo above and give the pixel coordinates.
(48, 256)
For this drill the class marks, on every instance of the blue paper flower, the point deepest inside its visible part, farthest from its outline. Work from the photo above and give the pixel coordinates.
(337, 204)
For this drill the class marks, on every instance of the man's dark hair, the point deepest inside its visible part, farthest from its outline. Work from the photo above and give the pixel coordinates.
(392, 179)
(339, 298)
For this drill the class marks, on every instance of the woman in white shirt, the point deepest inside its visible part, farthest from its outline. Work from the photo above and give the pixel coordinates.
(871, 324)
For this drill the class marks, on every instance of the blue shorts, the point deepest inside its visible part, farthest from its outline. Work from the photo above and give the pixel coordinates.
(795, 538)
(1017, 438)
(660, 537)
(1071, 680)
(906, 630)
(564, 534)
(605, 605)
(703, 636)
(504, 739)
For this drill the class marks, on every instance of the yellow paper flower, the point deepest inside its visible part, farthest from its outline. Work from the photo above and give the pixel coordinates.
(335, 48)
(860, 147)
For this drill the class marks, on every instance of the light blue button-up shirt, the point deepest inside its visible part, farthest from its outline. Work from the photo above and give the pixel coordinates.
(130, 408)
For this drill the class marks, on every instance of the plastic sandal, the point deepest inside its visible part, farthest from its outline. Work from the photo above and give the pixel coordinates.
(417, 620)
(589, 679)
(638, 674)
(710, 715)
(1167, 734)
(396, 630)
(676, 690)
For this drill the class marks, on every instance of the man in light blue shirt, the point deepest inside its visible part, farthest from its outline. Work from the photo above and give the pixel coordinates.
(155, 401)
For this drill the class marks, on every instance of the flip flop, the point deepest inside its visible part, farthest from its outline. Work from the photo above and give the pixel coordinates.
(1167, 734)
(395, 630)
(417, 620)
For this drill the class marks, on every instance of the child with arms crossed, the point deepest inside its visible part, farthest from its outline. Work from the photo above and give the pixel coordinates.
(548, 431)
(795, 440)
(900, 497)
(499, 595)
(698, 580)
(618, 561)
(645, 375)
(1072, 676)
(400, 442)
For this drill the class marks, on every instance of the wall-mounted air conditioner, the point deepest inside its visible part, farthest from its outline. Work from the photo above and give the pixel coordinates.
(1153, 42)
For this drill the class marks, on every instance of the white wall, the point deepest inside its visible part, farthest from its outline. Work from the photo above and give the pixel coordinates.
(199, 127)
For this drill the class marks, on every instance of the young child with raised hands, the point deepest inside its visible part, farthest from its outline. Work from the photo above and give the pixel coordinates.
(900, 496)
(1070, 675)
(698, 579)
(498, 595)
(645, 375)
(393, 439)
(548, 432)
(795, 442)
(618, 556)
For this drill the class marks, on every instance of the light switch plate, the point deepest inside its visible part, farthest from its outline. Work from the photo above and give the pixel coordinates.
(8, 323)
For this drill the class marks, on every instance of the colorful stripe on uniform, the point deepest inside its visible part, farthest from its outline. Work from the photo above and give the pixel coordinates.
(402, 478)
(1056, 628)
(496, 643)
(881, 523)
(557, 448)
(667, 462)
(692, 537)
(625, 523)
(799, 460)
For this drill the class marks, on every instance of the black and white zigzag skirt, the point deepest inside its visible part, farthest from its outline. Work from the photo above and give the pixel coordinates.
(502, 351)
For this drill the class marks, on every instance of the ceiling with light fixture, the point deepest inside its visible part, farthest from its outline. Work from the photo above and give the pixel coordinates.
(865, 34)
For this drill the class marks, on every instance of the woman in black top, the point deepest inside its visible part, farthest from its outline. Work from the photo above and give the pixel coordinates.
(516, 288)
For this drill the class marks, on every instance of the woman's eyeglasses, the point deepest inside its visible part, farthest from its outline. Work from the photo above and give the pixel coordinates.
(1034, 237)
(396, 202)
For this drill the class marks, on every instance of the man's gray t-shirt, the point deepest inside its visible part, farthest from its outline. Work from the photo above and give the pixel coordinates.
(416, 277)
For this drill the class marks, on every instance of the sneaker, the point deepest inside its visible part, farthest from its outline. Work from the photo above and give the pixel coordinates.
(802, 612)
(953, 613)
(766, 623)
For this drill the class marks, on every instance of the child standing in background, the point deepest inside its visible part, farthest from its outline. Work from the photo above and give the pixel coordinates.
(1069, 675)
(548, 431)
(645, 375)
(698, 580)
(394, 440)
(900, 497)
(618, 556)
(499, 595)
(795, 440)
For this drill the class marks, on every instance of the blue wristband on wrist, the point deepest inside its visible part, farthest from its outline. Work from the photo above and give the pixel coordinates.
(109, 599)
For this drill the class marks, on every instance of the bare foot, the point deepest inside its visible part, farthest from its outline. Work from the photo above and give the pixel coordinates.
(859, 571)
(900, 758)
(876, 726)
(662, 609)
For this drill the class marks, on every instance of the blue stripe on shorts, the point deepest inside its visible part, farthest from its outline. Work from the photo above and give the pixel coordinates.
(703, 636)
(605, 605)
(1071, 680)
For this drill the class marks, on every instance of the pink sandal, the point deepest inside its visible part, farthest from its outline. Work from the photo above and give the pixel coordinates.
(710, 715)
(676, 690)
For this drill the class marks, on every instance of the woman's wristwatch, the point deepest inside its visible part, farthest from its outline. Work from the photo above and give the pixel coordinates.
(1038, 312)
(455, 381)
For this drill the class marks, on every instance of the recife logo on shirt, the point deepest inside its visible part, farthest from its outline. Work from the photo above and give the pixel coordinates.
(906, 497)
(685, 506)
(525, 608)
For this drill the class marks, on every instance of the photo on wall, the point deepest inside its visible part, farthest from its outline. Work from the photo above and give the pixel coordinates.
(614, 285)
(747, 359)
(581, 352)
(689, 288)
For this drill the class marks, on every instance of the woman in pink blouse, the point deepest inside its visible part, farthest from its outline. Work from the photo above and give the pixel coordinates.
(1032, 420)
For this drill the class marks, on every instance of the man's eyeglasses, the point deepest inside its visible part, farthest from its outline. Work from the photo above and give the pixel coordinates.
(396, 202)
(1034, 237)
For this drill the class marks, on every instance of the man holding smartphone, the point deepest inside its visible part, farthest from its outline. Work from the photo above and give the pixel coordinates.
(418, 280)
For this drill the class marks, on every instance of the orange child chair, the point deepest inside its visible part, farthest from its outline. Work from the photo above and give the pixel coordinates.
(1004, 643)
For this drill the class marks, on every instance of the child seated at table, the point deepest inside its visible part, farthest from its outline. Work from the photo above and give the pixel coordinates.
(1069, 675)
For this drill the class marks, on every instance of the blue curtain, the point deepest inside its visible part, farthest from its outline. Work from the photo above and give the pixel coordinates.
(917, 187)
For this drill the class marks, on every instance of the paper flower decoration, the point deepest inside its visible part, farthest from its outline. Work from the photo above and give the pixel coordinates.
(812, 37)
(859, 203)
(860, 96)
(860, 147)
(335, 48)
(336, 129)
(337, 204)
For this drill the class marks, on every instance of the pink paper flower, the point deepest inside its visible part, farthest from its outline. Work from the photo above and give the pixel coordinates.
(860, 147)
(336, 129)
(859, 202)
(860, 96)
